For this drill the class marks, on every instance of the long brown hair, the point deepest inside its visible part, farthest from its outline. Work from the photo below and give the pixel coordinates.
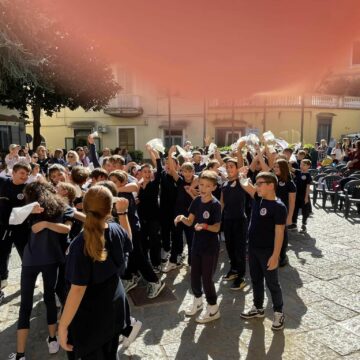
(284, 170)
(97, 205)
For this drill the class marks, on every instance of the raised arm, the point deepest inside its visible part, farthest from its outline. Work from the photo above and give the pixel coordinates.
(172, 170)
(93, 153)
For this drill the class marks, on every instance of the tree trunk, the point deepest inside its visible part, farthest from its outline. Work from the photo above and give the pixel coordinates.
(36, 111)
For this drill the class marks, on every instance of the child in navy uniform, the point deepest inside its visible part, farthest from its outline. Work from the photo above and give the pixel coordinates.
(205, 213)
(266, 235)
(302, 180)
(235, 225)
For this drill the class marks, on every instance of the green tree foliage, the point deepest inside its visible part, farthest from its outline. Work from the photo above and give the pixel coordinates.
(53, 69)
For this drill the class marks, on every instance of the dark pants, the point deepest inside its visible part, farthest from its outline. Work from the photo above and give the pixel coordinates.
(305, 210)
(284, 245)
(138, 261)
(105, 352)
(258, 259)
(235, 239)
(28, 279)
(8, 237)
(60, 289)
(151, 240)
(167, 232)
(178, 244)
(203, 267)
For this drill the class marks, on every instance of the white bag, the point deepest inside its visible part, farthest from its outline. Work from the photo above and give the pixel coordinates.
(157, 145)
(19, 214)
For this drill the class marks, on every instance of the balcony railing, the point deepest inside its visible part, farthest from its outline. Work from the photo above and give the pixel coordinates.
(124, 106)
(314, 101)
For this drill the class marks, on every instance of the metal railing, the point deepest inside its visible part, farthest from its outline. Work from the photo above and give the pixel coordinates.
(315, 101)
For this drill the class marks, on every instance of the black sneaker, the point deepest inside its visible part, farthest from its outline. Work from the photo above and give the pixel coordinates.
(284, 261)
(303, 228)
(278, 322)
(231, 275)
(292, 227)
(238, 284)
(253, 313)
(2, 297)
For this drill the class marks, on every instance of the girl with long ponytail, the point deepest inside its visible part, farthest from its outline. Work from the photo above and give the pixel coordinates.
(95, 308)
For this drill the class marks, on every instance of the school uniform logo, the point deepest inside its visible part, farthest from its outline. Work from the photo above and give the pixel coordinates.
(20, 196)
(303, 177)
(206, 214)
(263, 211)
(281, 183)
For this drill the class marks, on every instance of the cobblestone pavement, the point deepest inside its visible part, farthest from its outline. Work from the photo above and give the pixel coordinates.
(321, 296)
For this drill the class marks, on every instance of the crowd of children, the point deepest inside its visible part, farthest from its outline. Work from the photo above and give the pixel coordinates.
(93, 234)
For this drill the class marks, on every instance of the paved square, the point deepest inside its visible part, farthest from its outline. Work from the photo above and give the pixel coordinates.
(321, 295)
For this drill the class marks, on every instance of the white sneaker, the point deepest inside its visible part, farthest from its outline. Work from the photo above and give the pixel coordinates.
(53, 346)
(196, 306)
(169, 267)
(13, 357)
(134, 333)
(155, 289)
(4, 284)
(130, 284)
(278, 323)
(211, 313)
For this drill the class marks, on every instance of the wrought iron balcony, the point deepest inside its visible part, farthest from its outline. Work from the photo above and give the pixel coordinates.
(125, 106)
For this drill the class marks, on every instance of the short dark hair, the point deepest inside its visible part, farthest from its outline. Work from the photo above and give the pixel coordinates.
(79, 175)
(231, 160)
(98, 172)
(290, 150)
(56, 167)
(269, 177)
(22, 165)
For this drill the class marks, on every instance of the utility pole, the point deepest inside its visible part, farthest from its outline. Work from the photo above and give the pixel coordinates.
(264, 119)
(204, 121)
(232, 120)
(302, 119)
(169, 125)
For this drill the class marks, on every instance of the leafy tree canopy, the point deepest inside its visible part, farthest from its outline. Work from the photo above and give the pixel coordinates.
(46, 67)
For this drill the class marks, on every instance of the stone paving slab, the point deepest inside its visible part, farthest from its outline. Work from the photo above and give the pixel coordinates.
(321, 296)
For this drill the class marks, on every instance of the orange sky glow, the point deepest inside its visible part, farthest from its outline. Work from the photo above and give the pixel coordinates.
(220, 48)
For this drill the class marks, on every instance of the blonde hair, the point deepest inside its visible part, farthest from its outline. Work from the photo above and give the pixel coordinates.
(74, 153)
(97, 205)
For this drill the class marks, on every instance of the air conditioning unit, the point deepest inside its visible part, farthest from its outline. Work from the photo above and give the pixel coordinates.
(102, 129)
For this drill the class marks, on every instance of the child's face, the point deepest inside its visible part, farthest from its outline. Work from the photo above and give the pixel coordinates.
(20, 176)
(146, 173)
(61, 191)
(231, 169)
(263, 188)
(206, 187)
(197, 158)
(57, 176)
(304, 167)
(116, 181)
(188, 174)
(287, 154)
(277, 169)
(300, 156)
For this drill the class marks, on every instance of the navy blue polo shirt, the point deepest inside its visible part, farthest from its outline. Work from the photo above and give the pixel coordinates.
(301, 181)
(205, 242)
(234, 200)
(265, 215)
(283, 189)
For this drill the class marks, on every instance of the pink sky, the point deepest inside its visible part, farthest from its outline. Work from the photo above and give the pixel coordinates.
(222, 48)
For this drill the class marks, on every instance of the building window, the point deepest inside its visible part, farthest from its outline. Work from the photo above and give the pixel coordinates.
(356, 53)
(127, 138)
(174, 137)
(80, 137)
(324, 128)
(225, 136)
